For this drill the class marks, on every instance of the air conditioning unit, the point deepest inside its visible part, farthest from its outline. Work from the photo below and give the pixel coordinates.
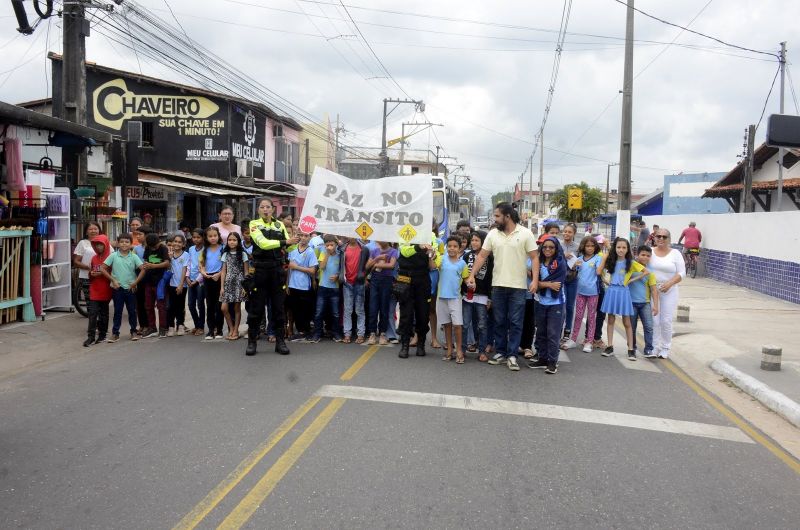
(135, 132)
(277, 131)
(244, 168)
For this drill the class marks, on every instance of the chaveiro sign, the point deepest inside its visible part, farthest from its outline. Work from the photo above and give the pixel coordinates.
(393, 209)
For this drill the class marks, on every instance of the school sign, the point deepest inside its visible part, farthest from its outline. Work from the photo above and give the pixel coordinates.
(393, 209)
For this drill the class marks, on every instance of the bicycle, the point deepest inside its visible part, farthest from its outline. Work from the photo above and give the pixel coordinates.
(691, 255)
(79, 299)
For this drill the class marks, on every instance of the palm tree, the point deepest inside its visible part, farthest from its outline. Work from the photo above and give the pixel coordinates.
(593, 203)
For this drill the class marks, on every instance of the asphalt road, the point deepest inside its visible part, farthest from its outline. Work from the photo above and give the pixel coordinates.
(182, 433)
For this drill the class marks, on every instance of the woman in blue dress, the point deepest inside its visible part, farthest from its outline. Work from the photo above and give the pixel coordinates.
(618, 265)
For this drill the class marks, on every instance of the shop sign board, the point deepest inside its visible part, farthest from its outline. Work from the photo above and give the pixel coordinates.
(147, 194)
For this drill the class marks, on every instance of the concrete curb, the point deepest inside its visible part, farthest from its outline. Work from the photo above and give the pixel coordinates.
(772, 399)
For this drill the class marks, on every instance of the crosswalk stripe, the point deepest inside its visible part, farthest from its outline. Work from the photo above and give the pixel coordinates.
(536, 410)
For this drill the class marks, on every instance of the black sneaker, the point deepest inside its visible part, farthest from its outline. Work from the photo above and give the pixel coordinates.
(149, 333)
(631, 355)
(537, 363)
(608, 352)
(101, 338)
(162, 333)
(297, 337)
(88, 342)
(551, 368)
(314, 339)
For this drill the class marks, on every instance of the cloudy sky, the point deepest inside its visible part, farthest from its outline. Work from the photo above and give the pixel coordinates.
(483, 70)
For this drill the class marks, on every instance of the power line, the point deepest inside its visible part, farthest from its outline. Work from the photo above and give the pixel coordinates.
(769, 94)
(640, 72)
(366, 42)
(715, 39)
(791, 87)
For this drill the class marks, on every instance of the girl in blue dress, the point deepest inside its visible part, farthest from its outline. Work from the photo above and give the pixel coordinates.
(618, 266)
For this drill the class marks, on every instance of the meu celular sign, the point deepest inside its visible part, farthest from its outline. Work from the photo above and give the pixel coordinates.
(394, 209)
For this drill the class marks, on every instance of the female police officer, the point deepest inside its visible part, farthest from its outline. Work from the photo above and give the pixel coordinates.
(270, 238)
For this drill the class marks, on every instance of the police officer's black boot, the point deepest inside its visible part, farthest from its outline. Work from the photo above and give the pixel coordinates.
(403, 348)
(252, 343)
(420, 345)
(280, 344)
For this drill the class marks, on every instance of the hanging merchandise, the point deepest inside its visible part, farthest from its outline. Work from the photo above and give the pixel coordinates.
(15, 177)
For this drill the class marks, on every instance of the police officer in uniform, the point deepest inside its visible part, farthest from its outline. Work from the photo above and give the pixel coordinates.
(414, 286)
(270, 239)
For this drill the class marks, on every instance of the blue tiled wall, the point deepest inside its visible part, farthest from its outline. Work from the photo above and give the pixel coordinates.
(780, 279)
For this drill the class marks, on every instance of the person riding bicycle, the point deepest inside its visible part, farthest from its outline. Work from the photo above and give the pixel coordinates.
(693, 238)
(692, 235)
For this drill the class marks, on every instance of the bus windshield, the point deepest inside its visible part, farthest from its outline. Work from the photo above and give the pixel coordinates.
(438, 206)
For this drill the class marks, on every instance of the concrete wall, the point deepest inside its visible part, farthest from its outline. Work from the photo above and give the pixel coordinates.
(682, 194)
(759, 251)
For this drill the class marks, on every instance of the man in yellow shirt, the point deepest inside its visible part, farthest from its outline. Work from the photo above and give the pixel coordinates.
(511, 244)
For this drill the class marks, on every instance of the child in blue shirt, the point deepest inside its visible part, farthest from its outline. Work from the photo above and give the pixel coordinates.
(302, 267)
(644, 296)
(550, 304)
(589, 269)
(452, 271)
(176, 307)
(329, 260)
(194, 282)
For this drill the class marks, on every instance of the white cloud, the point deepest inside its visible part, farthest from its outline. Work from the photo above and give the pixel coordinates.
(690, 106)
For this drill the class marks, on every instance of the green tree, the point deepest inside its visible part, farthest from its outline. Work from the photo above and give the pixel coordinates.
(503, 196)
(593, 203)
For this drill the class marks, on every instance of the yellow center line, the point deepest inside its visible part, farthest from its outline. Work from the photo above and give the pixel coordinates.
(785, 457)
(215, 496)
(359, 364)
(247, 507)
(204, 507)
(723, 409)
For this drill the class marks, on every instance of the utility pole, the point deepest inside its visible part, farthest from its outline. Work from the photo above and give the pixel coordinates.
(530, 186)
(541, 172)
(308, 159)
(436, 168)
(747, 189)
(627, 116)
(779, 198)
(73, 83)
(336, 146)
(384, 157)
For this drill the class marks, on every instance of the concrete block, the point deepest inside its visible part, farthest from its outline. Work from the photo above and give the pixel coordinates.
(771, 358)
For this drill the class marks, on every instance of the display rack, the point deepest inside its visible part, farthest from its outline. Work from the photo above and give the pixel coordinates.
(57, 252)
(89, 209)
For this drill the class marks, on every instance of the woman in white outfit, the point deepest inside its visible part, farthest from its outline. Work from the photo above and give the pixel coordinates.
(668, 266)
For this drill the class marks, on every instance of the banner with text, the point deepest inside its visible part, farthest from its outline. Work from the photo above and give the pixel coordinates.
(394, 209)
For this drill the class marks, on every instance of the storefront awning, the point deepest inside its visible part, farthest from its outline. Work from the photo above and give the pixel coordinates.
(220, 187)
(153, 180)
(71, 133)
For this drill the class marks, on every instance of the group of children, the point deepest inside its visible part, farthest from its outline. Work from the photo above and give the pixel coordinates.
(329, 278)
(150, 280)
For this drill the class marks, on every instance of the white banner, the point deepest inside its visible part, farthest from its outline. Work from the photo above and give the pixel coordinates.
(393, 209)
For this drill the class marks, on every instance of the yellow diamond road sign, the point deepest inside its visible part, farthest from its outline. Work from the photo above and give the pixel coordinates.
(364, 230)
(407, 233)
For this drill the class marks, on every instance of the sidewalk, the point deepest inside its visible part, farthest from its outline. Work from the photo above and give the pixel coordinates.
(727, 329)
